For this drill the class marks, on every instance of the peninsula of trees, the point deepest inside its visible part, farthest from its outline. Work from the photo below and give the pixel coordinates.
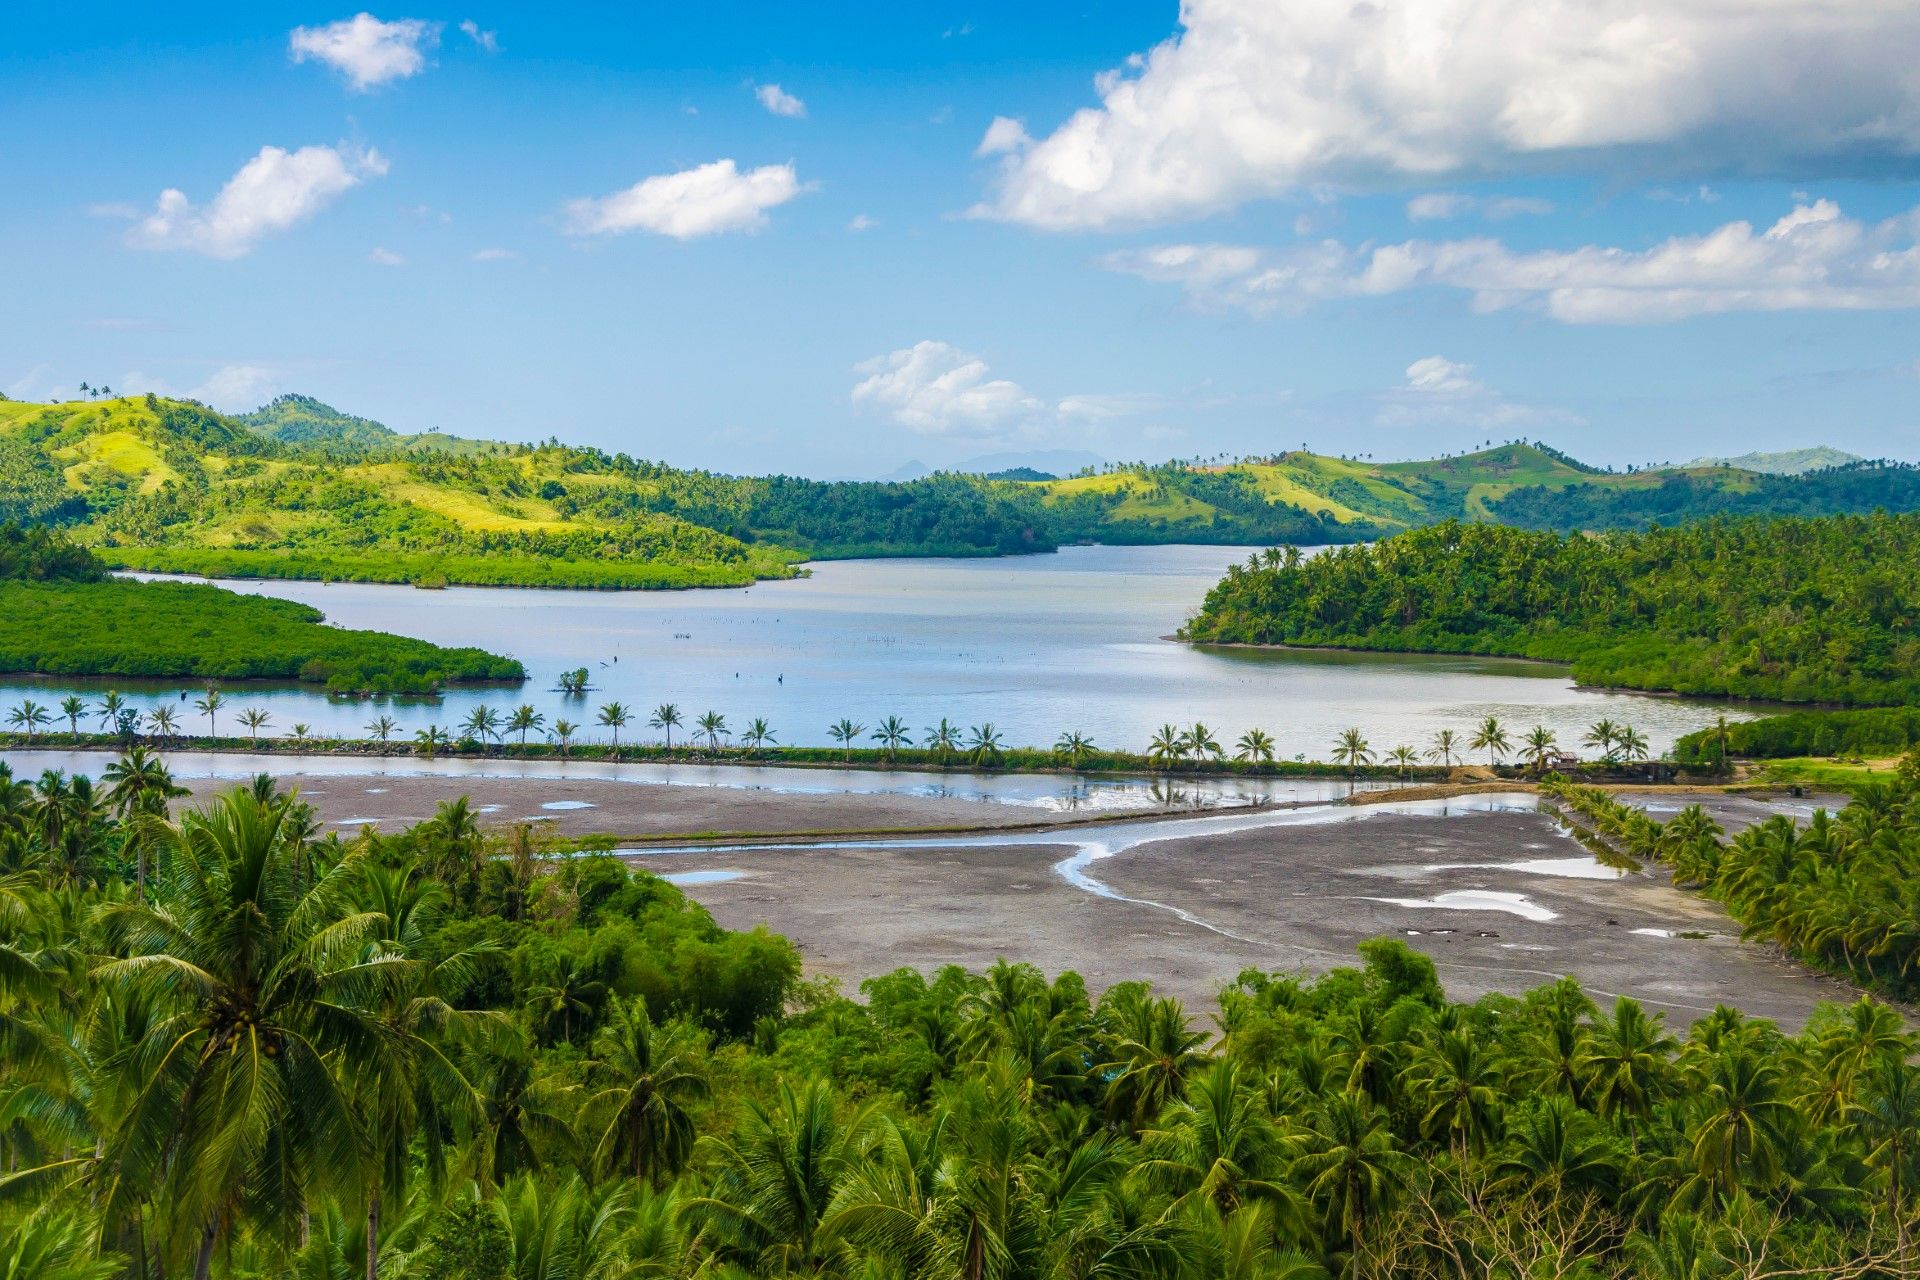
(62, 614)
(1795, 610)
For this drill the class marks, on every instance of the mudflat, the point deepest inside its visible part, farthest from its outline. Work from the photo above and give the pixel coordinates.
(1502, 901)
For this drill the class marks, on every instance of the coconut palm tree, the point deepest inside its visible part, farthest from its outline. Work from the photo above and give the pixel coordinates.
(1405, 758)
(891, 735)
(1457, 1088)
(29, 716)
(563, 731)
(1167, 747)
(1632, 744)
(482, 725)
(1539, 745)
(109, 711)
(1218, 1144)
(209, 707)
(846, 733)
(382, 727)
(1491, 737)
(1201, 744)
(666, 717)
(1446, 745)
(1351, 750)
(162, 723)
(943, 739)
(73, 708)
(430, 740)
(1075, 748)
(525, 720)
(778, 1176)
(1629, 1067)
(758, 733)
(1255, 747)
(254, 719)
(640, 1112)
(713, 726)
(984, 745)
(614, 716)
(1157, 1049)
(139, 785)
(1351, 1168)
(1601, 735)
(273, 1007)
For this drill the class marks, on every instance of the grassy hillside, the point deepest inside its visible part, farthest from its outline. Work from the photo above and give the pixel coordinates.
(298, 489)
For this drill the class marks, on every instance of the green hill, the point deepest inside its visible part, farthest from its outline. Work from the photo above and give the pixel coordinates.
(1790, 462)
(299, 489)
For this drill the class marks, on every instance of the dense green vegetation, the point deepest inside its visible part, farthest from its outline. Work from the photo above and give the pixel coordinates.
(60, 614)
(1841, 892)
(1680, 497)
(233, 1049)
(1817, 610)
(299, 489)
(1879, 731)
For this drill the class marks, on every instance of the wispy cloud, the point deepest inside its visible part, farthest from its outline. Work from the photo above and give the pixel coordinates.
(704, 201)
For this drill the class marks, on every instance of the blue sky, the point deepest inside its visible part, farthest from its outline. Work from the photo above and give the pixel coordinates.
(1640, 232)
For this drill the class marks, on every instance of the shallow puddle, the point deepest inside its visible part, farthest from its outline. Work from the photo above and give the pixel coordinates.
(1515, 904)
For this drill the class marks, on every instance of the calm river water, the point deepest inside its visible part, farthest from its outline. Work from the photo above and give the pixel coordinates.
(1036, 645)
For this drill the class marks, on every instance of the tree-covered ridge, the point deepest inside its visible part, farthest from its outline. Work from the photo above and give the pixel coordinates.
(1820, 610)
(237, 1049)
(1694, 495)
(43, 555)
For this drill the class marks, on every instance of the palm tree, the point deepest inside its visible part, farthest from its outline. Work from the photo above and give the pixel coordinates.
(73, 708)
(209, 707)
(1351, 1168)
(563, 731)
(1218, 1144)
(482, 725)
(614, 716)
(1167, 747)
(162, 723)
(983, 745)
(1745, 1120)
(846, 732)
(1723, 740)
(110, 708)
(1446, 745)
(1255, 747)
(1491, 737)
(1629, 1067)
(943, 739)
(1457, 1087)
(1075, 748)
(138, 784)
(525, 720)
(758, 733)
(891, 735)
(382, 727)
(714, 726)
(666, 716)
(1201, 743)
(255, 719)
(1351, 750)
(1602, 735)
(30, 716)
(1157, 1050)
(1632, 744)
(275, 1008)
(431, 739)
(1540, 743)
(778, 1176)
(301, 732)
(1405, 758)
(645, 1130)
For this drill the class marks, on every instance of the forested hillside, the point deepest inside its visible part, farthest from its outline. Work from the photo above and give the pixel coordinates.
(299, 489)
(1821, 610)
(236, 1050)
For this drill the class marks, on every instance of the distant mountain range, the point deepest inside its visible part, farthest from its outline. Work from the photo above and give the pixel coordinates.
(299, 489)
(1789, 462)
(1048, 464)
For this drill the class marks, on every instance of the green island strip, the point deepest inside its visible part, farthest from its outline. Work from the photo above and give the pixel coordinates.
(1790, 610)
(234, 1049)
(61, 614)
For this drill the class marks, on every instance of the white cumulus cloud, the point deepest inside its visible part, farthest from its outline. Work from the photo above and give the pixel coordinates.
(1255, 98)
(1439, 205)
(937, 389)
(275, 190)
(1004, 134)
(1813, 259)
(1443, 392)
(695, 202)
(779, 101)
(366, 50)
